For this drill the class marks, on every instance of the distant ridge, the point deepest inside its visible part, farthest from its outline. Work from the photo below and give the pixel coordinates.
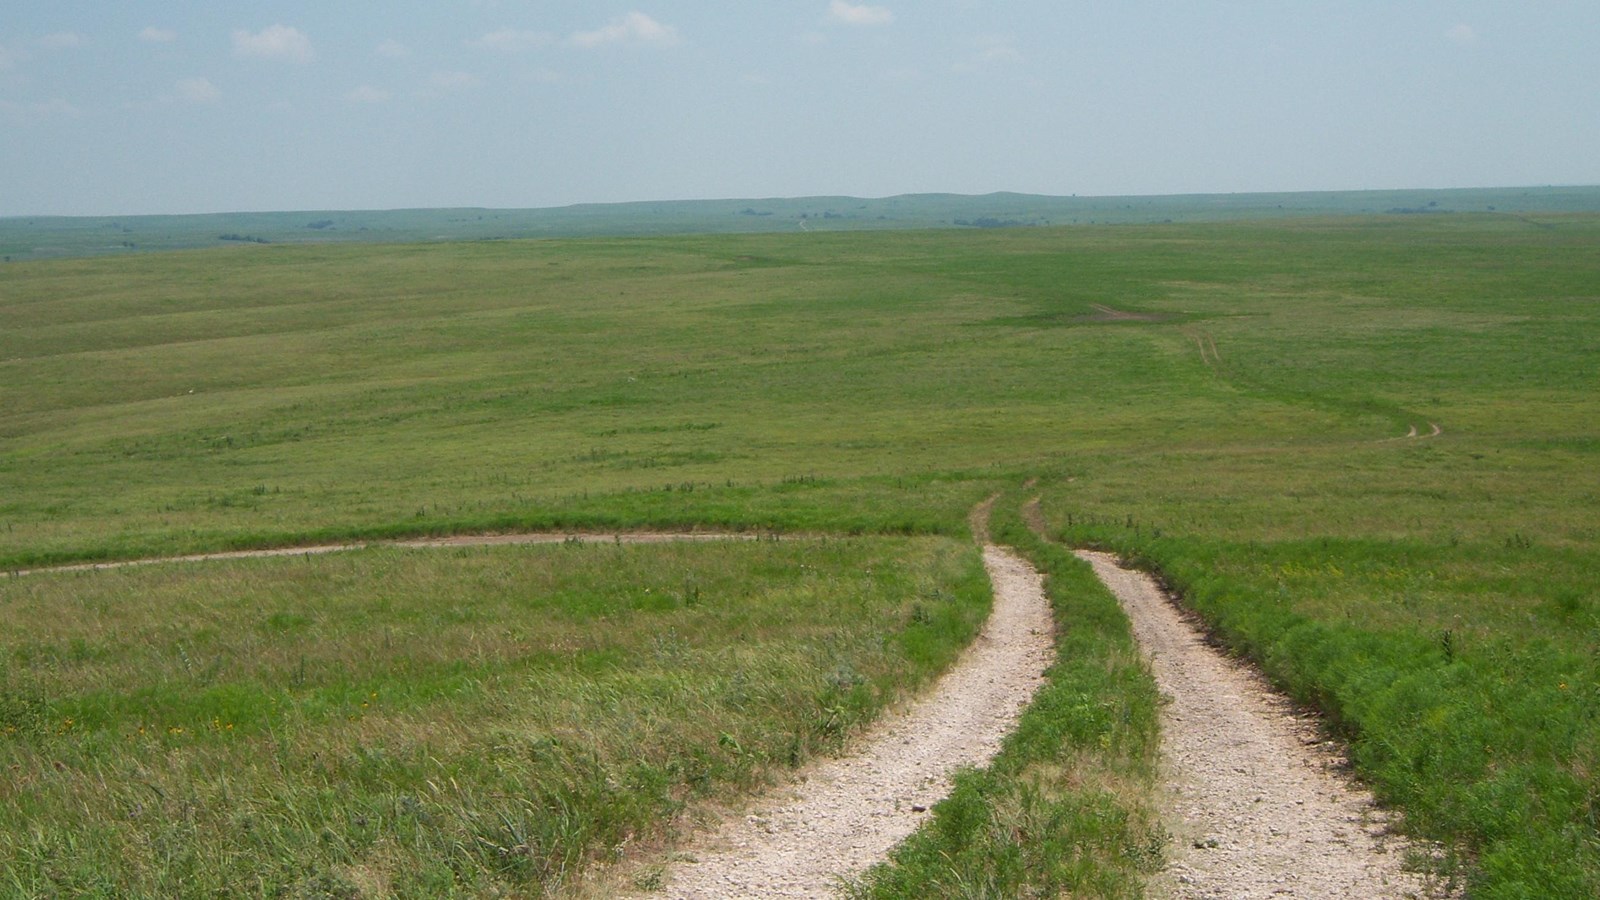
(40, 237)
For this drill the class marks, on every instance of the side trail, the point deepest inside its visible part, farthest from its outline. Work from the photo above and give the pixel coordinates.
(464, 540)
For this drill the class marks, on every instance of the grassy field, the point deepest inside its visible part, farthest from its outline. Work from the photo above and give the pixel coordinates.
(1227, 403)
(425, 722)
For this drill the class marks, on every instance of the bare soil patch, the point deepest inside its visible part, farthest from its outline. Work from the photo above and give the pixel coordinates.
(1033, 517)
(1413, 434)
(1103, 313)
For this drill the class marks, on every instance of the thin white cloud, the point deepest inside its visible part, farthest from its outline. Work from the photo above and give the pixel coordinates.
(153, 35)
(443, 83)
(39, 110)
(198, 90)
(998, 50)
(61, 40)
(9, 58)
(453, 81)
(276, 42)
(1462, 34)
(991, 50)
(513, 39)
(859, 14)
(633, 28)
(366, 93)
(392, 49)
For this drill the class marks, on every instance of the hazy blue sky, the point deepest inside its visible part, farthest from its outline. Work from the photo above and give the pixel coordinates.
(137, 106)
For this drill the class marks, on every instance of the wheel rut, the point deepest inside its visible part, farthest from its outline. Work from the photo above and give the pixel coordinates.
(1253, 795)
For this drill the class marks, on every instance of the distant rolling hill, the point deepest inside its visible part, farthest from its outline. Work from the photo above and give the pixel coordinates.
(42, 237)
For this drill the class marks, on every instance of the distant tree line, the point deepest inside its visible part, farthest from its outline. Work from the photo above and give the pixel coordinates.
(246, 238)
(1432, 207)
(991, 222)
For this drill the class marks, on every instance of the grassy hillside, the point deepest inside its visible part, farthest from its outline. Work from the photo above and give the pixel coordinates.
(1228, 402)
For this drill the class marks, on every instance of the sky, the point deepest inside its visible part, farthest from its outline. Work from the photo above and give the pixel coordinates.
(182, 106)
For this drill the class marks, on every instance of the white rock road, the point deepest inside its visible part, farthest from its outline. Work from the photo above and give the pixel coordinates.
(1254, 801)
(845, 814)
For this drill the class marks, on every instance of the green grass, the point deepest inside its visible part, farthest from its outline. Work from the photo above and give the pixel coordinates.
(437, 721)
(1431, 595)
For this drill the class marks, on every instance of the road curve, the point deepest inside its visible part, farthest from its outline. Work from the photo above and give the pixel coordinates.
(843, 815)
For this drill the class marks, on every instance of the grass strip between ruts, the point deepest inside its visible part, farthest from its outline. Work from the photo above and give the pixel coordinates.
(1067, 807)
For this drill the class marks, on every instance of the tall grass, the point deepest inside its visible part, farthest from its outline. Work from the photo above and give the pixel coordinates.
(425, 722)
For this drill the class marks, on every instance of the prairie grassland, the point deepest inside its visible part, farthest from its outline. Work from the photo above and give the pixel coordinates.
(844, 383)
(1228, 403)
(482, 720)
